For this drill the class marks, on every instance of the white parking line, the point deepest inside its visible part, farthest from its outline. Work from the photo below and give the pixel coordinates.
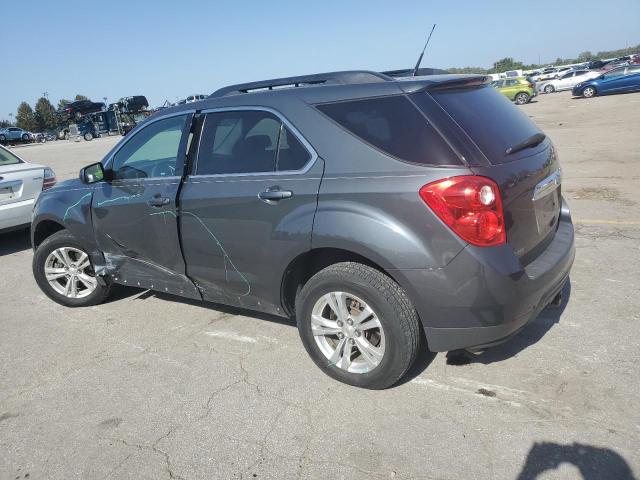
(232, 336)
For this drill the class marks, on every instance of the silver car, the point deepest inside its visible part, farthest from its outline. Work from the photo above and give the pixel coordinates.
(20, 185)
(13, 134)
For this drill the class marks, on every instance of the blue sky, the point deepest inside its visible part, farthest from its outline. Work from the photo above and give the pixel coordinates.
(165, 49)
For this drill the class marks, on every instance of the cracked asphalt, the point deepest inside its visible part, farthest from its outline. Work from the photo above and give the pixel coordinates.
(149, 386)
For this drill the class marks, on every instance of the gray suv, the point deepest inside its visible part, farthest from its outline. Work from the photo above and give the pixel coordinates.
(383, 214)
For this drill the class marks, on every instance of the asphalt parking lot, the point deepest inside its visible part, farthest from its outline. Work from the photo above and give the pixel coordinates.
(149, 386)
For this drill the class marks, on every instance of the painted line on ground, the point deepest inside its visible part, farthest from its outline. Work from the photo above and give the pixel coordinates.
(589, 221)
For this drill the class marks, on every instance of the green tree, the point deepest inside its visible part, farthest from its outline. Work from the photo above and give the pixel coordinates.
(585, 56)
(44, 115)
(25, 117)
(505, 64)
(62, 102)
(5, 124)
(81, 97)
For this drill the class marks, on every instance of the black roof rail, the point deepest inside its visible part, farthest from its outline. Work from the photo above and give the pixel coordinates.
(346, 77)
(408, 72)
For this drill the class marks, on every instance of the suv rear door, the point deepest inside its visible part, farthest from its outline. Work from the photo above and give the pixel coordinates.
(246, 209)
(134, 211)
(497, 129)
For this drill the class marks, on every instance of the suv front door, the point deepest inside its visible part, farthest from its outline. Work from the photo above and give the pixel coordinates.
(134, 211)
(247, 208)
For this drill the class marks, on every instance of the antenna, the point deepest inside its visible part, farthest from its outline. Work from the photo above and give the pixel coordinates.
(415, 69)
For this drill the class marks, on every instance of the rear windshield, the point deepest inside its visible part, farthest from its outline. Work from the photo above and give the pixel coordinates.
(395, 126)
(489, 118)
(8, 158)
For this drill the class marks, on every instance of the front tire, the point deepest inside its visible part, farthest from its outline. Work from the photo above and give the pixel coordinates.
(88, 137)
(522, 98)
(25, 137)
(589, 92)
(358, 325)
(63, 271)
(549, 89)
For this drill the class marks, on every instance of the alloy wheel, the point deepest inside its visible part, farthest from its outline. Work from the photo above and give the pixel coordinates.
(69, 272)
(589, 92)
(348, 332)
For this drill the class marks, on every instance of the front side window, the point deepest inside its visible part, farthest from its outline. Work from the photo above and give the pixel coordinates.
(152, 152)
(248, 141)
(614, 73)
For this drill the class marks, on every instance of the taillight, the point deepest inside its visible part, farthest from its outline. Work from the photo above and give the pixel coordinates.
(532, 85)
(49, 179)
(471, 206)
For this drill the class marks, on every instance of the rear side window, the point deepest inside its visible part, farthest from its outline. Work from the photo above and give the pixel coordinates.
(491, 121)
(249, 141)
(395, 126)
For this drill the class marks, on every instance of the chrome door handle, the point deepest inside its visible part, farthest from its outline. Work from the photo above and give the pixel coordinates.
(159, 201)
(275, 195)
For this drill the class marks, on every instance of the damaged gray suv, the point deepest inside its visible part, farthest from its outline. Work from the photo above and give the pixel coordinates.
(383, 214)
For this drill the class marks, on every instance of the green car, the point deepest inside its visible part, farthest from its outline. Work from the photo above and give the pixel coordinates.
(518, 89)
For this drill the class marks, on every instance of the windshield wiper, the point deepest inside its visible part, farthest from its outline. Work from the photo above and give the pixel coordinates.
(532, 141)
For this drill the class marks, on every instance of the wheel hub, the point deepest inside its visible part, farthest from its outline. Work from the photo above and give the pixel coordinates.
(348, 332)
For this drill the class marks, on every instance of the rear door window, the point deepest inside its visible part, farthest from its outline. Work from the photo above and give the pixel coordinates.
(393, 125)
(8, 158)
(238, 142)
(491, 121)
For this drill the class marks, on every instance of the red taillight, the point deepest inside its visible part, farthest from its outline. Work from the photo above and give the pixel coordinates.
(471, 206)
(532, 85)
(49, 179)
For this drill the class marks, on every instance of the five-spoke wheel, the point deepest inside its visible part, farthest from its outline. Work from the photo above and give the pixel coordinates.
(348, 332)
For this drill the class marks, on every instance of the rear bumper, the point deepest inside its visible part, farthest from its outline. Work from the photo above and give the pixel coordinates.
(484, 295)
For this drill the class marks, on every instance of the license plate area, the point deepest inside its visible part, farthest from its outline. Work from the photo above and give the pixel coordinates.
(546, 203)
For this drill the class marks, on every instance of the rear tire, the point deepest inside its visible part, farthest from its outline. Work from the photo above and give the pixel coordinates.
(379, 326)
(86, 294)
(522, 98)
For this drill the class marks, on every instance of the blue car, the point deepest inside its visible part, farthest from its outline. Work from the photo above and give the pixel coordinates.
(618, 80)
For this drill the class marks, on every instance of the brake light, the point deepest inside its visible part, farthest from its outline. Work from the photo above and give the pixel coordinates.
(471, 206)
(532, 85)
(49, 179)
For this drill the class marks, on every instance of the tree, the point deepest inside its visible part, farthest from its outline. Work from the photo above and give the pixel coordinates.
(62, 102)
(5, 124)
(585, 56)
(44, 115)
(81, 97)
(505, 64)
(25, 117)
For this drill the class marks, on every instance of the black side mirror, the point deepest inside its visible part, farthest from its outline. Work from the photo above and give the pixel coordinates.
(92, 173)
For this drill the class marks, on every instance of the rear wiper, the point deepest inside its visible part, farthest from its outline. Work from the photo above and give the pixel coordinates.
(532, 141)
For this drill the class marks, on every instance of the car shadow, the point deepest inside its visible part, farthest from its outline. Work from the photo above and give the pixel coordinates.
(14, 241)
(530, 335)
(594, 463)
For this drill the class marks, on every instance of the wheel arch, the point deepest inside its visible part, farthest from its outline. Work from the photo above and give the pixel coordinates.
(43, 230)
(307, 264)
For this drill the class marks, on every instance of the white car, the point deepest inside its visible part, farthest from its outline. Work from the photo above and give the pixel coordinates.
(20, 185)
(567, 81)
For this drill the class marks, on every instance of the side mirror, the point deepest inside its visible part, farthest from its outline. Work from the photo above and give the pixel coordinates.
(92, 173)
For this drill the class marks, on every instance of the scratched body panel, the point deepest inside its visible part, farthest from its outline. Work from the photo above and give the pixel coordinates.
(141, 248)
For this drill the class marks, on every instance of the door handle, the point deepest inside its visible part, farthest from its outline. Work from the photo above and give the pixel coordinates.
(158, 201)
(275, 194)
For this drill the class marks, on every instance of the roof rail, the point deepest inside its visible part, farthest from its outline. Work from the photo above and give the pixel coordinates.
(346, 77)
(408, 72)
